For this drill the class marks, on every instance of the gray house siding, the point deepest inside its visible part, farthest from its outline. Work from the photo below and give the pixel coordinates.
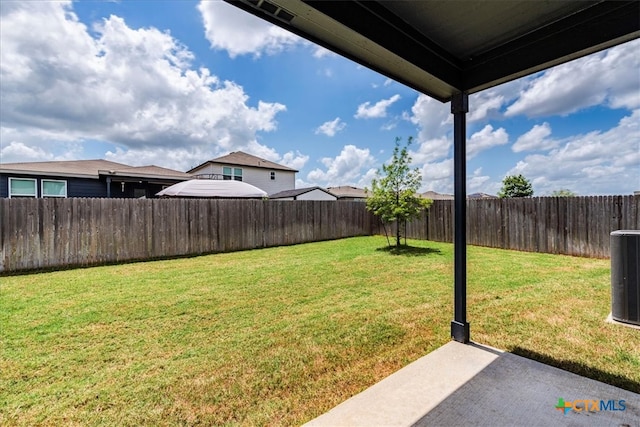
(88, 187)
(76, 187)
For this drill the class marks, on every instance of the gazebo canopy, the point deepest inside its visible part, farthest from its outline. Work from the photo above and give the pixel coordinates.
(211, 188)
(441, 47)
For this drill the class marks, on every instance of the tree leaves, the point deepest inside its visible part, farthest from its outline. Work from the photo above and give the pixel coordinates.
(515, 186)
(393, 195)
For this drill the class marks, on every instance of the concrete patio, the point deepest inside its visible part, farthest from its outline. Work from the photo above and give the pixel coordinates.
(475, 385)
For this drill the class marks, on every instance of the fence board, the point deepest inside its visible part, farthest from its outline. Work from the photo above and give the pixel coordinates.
(561, 225)
(50, 233)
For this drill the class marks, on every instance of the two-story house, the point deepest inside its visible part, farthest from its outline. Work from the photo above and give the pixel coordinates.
(264, 174)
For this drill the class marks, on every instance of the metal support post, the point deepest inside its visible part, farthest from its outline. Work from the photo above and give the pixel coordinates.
(459, 109)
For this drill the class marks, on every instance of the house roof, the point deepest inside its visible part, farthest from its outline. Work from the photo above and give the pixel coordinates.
(297, 192)
(436, 196)
(345, 191)
(442, 47)
(91, 169)
(481, 196)
(240, 158)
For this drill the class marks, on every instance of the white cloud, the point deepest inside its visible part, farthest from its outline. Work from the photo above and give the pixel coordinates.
(19, 152)
(432, 117)
(438, 176)
(346, 168)
(320, 52)
(294, 160)
(485, 139)
(239, 33)
(609, 77)
(389, 125)
(181, 159)
(134, 88)
(434, 143)
(326, 72)
(535, 139)
(19, 146)
(488, 104)
(331, 127)
(378, 110)
(431, 150)
(594, 163)
(477, 182)
(366, 178)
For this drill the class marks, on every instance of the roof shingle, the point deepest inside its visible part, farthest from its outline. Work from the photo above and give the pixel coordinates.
(240, 158)
(90, 169)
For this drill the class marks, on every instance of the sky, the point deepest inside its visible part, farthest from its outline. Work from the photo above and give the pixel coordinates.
(177, 83)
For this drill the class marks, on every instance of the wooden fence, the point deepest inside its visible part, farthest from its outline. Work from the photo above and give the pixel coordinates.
(559, 225)
(52, 233)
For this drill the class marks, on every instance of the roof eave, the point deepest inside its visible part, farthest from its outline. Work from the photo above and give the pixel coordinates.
(47, 173)
(127, 174)
(367, 33)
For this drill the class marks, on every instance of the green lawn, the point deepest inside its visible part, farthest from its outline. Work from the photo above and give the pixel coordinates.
(278, 336)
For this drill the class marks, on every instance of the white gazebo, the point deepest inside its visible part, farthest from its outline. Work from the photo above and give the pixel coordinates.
(213, 189)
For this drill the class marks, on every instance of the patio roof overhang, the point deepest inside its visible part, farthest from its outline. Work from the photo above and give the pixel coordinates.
(450, 49)
(442, 47)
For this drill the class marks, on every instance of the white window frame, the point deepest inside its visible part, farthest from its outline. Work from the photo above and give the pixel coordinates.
(42, 181)
(272, 175)
(233, 176)
(35, 187)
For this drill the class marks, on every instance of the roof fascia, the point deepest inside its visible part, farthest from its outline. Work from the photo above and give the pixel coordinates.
(375, 22)
(121, 174)
(399, 77)
(199, 166)
(593, 29)
(240, 165)
(47, 173)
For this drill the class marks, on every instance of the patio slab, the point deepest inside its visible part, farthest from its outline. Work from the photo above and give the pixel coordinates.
(475, 385)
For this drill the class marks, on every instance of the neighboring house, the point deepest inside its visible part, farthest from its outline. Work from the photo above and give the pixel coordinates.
(436, 196)
(346, 192)
(481, 196)
(264, 174)
(311, 193)
(85, 178)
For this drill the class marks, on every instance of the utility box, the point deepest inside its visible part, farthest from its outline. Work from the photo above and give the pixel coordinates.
(625, 276)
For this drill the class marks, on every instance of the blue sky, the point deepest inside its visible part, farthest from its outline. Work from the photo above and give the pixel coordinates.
(176, 83)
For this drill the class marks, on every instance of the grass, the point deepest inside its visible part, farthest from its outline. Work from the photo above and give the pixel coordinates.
(278, 336)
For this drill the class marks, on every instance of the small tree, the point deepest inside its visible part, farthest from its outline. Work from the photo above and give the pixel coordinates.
(515, 186)
(563, 193)
(393, 192)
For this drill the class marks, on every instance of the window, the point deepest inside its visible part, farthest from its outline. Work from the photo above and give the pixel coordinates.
(54, 188)
(229, 173)
(22, 187)
(273, 175)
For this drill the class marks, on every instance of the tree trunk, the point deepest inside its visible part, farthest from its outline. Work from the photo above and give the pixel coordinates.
(397, 220)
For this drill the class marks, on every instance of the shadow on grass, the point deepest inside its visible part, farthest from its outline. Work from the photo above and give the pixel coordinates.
(580, 369)
(407, 250)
